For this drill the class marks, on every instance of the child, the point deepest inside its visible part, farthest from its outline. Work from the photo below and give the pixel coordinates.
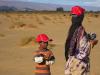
(43, 56)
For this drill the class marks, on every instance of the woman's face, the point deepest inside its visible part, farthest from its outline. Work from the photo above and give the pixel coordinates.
(43, 45)
(77, 19)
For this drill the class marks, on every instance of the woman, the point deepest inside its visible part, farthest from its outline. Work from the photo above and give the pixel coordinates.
(78, 44)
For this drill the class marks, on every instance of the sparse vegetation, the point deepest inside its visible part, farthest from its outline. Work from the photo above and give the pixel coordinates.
(51, 46)
(32, 26)
(0, 22)
(93, 14)
(27, 40)
(96, 15)
(19, 25)
(41, 23)
(2, 35)
(46, 18)
(7, 15)
(22, 25)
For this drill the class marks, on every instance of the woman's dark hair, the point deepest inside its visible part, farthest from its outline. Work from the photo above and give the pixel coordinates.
(76, 22)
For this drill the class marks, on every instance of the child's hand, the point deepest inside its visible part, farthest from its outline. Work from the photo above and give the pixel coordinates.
(50, 62)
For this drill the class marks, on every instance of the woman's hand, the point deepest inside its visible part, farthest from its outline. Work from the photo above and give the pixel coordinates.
(93, 42)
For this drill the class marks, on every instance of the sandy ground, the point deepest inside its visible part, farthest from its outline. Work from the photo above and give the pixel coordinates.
(17, 33)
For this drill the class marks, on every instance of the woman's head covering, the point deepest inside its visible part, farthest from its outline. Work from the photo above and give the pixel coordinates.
(77, 13)
(77, 10)
(42, 38)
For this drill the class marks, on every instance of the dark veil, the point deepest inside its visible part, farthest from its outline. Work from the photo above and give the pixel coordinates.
(76, 23)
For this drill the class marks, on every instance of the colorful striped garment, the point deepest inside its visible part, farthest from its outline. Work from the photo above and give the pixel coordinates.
(42, 68)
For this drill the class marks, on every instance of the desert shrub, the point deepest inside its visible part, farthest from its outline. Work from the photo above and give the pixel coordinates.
(32, 26)
(2, 35)
(46, 18)
(96, 15)
(7, 15)
(0, 22)
(19, 24)
(27, 40)
(64, 15)
(41, 23)
(51, 46)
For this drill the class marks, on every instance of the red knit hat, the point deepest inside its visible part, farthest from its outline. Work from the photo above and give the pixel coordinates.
(42, 37)
(77, 10)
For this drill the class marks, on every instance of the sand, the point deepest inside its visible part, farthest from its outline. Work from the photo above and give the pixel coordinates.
(17, 34)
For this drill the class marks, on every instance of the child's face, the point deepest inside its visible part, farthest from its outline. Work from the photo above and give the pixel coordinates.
(43, 44)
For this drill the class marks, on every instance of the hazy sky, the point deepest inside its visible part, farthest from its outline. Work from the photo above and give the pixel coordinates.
(66, 2)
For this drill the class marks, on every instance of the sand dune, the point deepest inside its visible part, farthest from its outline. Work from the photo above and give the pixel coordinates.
(17, 40)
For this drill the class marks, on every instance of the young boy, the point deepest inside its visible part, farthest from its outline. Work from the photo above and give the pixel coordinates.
(43, 56)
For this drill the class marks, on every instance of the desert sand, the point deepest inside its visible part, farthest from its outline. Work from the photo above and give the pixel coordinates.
(17, 40)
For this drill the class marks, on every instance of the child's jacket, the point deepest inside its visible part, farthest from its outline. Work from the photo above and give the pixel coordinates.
(42, 68)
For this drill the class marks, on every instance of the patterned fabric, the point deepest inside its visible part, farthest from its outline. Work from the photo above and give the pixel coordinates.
(78, 62)
(75, 39)
(42, 68)
(75, 66)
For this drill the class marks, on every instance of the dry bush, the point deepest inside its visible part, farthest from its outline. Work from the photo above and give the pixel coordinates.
(38, 20)
(12, 27)
(46, 18)
(61, 22)
(19, 15)
(96, 15)
(2, 35)
(32, 26)
(7, 15)
(90, 14)
(89, 21)
(0, 22)
(27, 40)
(23, 25)
(41, 23)
(17, 25)
(51, 46)
(64, 15)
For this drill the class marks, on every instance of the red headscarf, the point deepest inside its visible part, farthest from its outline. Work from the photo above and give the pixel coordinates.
(42, 37)
(77, 10)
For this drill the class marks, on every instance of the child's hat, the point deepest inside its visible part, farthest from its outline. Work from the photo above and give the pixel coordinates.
(42, 37)
(77, 10)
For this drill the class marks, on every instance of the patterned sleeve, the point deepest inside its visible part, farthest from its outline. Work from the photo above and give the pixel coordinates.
(74, 40)
(83, 45)
(84, 51)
